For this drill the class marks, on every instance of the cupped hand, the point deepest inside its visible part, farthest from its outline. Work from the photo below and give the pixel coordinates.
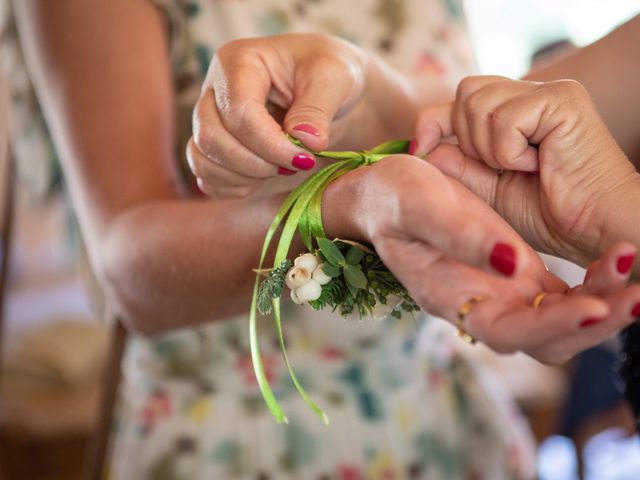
(538, 153)
(447, 246)
(256, 90)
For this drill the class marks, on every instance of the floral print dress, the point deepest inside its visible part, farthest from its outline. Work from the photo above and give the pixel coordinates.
(403, 400)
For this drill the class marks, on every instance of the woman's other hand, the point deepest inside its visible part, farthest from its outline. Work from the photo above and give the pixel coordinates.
(540, 154)
(309, 86)
(447, 246)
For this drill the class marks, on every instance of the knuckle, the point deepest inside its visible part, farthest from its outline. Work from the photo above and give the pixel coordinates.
(467, 86)
(204, 138)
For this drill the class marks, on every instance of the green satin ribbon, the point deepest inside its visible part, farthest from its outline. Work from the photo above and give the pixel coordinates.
(302, 211)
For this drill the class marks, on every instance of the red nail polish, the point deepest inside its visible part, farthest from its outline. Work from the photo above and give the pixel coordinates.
(303, 161)
(635, 311)
(412, 146)
(307, 128)
(503, 259)
(590, 322)
(625, 263)
(286, 171)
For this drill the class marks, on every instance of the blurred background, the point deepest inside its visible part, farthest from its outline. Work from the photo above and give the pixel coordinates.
(54, 349)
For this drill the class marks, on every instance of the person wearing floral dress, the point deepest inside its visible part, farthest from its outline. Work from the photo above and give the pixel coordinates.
(403, 400)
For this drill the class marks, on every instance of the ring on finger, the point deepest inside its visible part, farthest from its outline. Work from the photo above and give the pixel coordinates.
(463, 311)
(538, 299)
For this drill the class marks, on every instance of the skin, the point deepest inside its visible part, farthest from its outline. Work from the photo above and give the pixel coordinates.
(166, 261)
(575, 204)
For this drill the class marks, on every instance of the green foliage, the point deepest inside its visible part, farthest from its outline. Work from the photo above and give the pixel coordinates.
(331, 252)
(271, 287)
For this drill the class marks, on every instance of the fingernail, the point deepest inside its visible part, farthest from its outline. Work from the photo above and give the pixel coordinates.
(590, 322)
(307, 128)
(286, 171)
(412, 146)
(503, 259)
(625, 263)
(635, 311)
(303, 161)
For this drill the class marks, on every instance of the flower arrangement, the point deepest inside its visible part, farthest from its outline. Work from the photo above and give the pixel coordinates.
(343, 275)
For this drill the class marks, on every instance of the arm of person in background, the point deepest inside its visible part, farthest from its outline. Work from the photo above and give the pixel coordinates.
(609, 69)
(101, 71)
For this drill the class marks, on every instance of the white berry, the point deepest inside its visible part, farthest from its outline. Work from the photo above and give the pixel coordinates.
(309, 292)
(319, 275)
(308, 261)
(294, 298)
(297, 277)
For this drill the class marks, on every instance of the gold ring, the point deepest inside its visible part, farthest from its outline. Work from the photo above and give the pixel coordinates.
(464, 310)
(537, 300)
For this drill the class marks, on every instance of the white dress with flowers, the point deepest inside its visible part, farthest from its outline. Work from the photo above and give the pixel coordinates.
(403, 401)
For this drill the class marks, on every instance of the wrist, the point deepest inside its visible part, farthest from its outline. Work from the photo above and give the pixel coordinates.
(341, 210)
(621, 219)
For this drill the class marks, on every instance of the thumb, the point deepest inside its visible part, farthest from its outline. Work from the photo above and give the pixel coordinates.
(473, 174)
(320, 91)
(432, 126)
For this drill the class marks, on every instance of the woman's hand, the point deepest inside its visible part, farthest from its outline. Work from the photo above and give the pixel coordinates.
(564, 175)
(309, 86)
(447, 246)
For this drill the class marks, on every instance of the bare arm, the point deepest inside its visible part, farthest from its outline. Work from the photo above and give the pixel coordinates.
(102, 73)
(609, 69)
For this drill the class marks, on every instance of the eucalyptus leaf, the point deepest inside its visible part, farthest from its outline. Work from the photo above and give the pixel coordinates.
(354, 255)
(330, 251)
(331, 270)
(355, 277)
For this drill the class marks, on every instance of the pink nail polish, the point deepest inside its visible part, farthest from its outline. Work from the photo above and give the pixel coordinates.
(412, 146)
(590, 322)
(625, 262)
(307, 128)
(303, 161)
(286, 171)
(635, 311)
(503, 259)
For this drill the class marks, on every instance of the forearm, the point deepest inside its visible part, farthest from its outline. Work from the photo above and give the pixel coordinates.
(609, 70)
(622, 220)
(173, 263)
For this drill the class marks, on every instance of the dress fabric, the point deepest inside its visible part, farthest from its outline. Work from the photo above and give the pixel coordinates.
(403, 400)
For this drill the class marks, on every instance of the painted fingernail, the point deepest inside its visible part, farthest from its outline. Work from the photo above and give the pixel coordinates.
(635, 311)
(590, 322)
(286, 171)
(303, 161)
(503, 259)
(307, 128)
(625, 262)
(412, 146)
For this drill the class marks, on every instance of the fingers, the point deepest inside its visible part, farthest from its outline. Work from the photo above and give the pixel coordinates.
(321, 88)
(240, 101)
(509, 328)
(433, 125)
(611, 272)
(474, 174)
(215, 180)
(452, 219)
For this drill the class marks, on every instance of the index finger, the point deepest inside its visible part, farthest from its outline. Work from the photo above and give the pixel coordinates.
(241, 96)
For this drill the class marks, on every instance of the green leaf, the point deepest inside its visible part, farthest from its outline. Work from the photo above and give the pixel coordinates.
(355, 277)
(331, 270)
(354, 292)
(330, 251)
(354, 255)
